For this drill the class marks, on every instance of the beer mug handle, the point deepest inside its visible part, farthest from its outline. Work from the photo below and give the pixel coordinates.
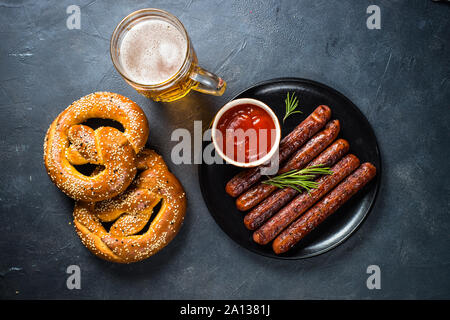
(207, 82)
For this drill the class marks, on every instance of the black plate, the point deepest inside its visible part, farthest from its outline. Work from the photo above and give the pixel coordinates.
(354, 128)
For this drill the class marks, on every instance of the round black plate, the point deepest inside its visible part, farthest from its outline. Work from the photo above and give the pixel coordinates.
(354, 128)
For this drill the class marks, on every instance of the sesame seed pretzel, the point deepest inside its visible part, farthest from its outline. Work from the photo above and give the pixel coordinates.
(131, 212)
(68, 142)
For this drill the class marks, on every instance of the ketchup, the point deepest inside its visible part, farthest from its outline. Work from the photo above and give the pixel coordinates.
(250, 119)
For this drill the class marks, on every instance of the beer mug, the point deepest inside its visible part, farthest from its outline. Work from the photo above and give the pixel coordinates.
(151, 50)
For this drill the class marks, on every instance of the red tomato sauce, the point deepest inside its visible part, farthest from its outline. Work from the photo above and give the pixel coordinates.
(248, 147)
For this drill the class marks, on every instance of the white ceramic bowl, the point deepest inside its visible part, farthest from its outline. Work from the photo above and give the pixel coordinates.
(260, 104)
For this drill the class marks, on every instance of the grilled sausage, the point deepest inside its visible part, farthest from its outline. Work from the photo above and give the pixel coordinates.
(288, 145)
(299, 160)
(324, 208)
(267, 208)
(305, 200)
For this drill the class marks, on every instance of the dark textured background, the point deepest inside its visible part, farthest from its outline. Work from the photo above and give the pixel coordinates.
(399, 77)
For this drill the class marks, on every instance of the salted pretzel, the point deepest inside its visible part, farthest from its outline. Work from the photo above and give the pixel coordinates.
(130, 212)
(68, 142)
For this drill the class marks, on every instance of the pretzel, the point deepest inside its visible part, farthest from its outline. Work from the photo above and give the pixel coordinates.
(68, 142)
(131, 212)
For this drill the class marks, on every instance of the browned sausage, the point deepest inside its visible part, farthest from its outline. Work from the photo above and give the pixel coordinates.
(300, 159)
(267, 208)
(294, 140)
(324, 208)
(304, 201)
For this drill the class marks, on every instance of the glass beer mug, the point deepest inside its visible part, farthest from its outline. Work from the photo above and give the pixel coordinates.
(151, 50)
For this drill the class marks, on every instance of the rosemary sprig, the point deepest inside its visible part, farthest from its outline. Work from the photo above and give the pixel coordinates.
(299, 179)
(291, 104)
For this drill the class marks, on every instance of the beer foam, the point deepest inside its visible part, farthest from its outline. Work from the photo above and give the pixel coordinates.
(152, 51)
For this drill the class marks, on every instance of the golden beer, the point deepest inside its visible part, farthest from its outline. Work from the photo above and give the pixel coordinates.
(152, 51)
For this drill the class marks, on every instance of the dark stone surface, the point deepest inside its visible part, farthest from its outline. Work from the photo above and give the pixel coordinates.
(399, 77)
